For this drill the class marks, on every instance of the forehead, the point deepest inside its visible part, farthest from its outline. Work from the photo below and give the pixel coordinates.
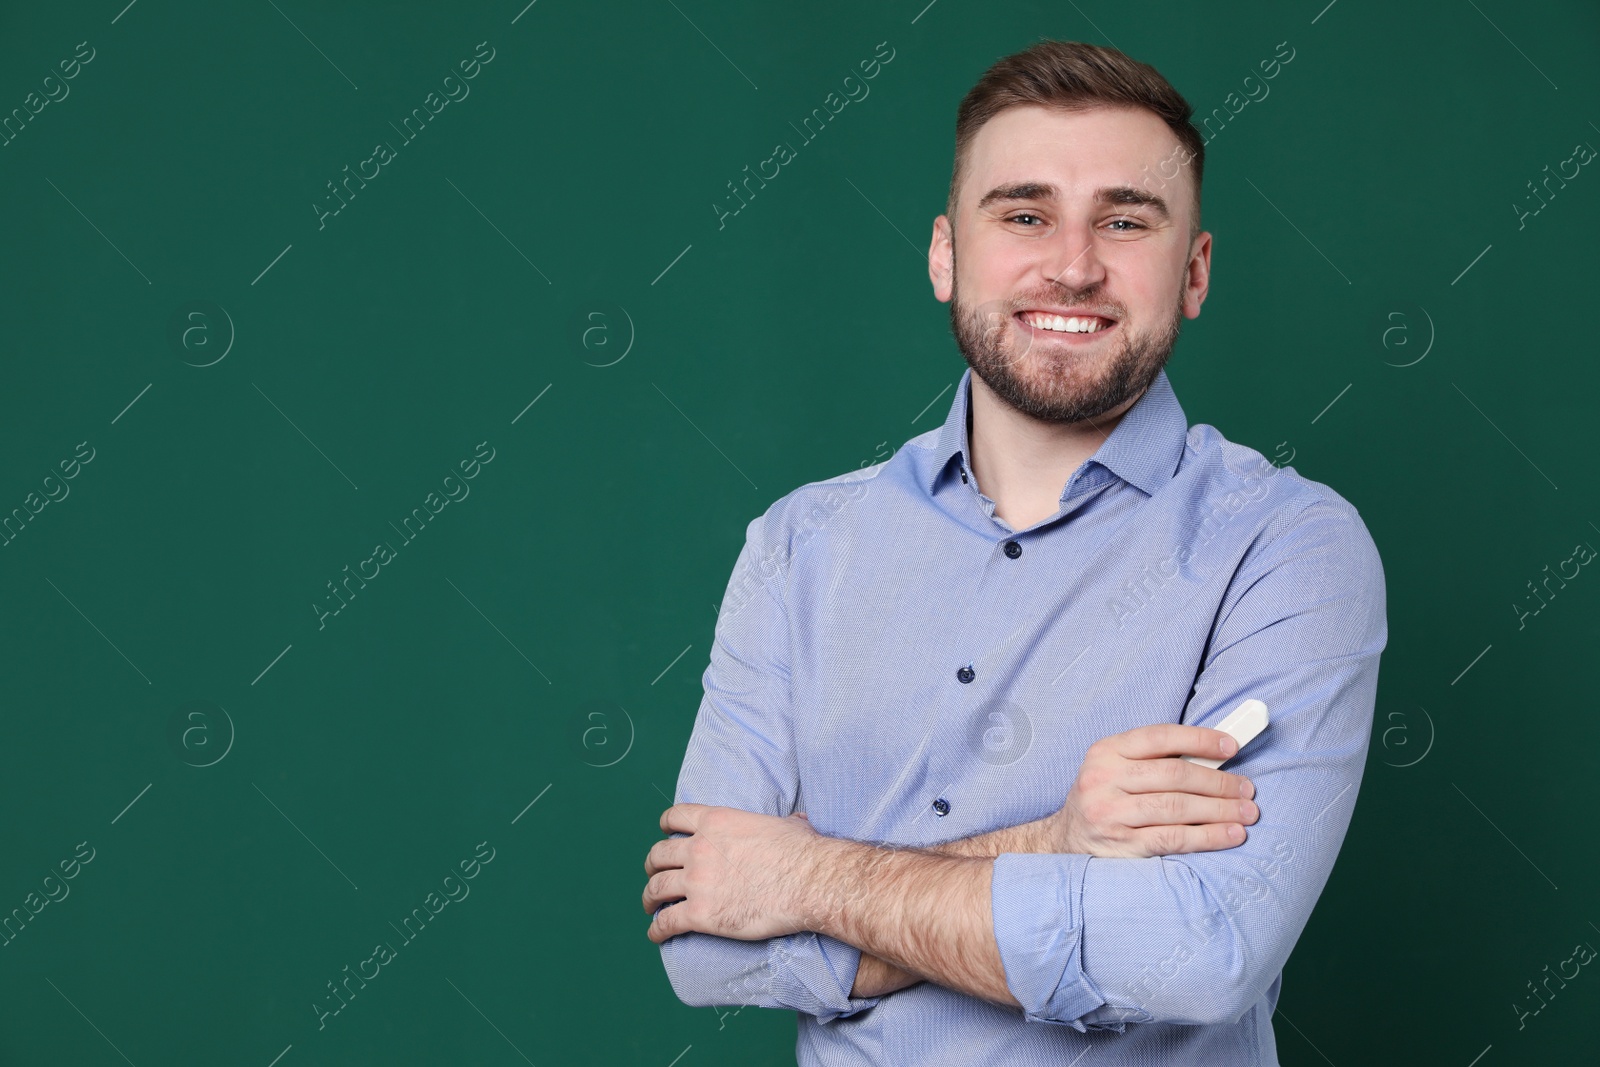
(1076, 150)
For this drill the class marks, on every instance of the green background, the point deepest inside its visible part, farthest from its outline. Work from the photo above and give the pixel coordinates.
(526, 672)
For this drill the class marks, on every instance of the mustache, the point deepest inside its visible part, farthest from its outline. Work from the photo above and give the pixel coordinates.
(1059, 299)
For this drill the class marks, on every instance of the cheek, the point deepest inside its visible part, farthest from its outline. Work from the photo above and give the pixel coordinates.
(998, 270)
(1146, 291)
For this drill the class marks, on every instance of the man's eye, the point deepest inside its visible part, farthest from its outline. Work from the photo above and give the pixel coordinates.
(1128, 225)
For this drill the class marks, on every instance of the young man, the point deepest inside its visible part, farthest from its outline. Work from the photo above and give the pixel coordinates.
(971, 665)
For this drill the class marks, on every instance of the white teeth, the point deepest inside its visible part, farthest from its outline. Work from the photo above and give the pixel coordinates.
(1066, 325)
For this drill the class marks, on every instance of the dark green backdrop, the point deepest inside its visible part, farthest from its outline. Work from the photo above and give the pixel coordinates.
(540, 275)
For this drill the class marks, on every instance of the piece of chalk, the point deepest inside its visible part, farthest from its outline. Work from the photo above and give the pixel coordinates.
(1242, 724)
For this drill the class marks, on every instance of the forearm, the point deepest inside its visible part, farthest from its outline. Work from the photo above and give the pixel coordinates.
(1040, 835)
(926, 914)
(876, 976)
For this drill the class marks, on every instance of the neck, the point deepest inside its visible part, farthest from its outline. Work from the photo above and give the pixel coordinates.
(1023, 463)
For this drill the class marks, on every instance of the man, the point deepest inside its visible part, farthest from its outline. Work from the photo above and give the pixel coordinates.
(970, 666)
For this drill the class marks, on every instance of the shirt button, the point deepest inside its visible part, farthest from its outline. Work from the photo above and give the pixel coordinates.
(966, 674)
(963, 475)
(1013, 549)
(941, 807)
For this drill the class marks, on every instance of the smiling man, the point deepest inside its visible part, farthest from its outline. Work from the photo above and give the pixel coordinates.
(930, 802)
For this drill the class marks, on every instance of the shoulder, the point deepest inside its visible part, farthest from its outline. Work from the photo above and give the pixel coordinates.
(1305, 537)
(808, 509)
(1227, 476)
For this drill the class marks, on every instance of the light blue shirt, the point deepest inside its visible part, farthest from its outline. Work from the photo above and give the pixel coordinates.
(893, 659)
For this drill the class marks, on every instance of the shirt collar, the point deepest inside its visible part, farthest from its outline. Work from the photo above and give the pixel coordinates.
(1143, 449)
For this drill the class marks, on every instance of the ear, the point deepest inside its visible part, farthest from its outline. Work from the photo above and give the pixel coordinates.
(1197, 280)
(941, 260)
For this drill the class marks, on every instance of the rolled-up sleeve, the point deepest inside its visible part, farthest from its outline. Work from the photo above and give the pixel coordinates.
(741, 755)
(1197, 938)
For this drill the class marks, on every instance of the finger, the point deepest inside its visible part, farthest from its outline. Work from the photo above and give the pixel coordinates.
(664, 887)
(1184, 809)
(1181, 776)
(1172, 739)
(664, 855)
(1178, 840)
(685, 817)
(665, 923)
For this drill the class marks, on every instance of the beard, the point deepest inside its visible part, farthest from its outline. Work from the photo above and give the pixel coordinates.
(1064, 385)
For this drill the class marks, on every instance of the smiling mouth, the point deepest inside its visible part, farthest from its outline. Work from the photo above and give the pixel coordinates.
(1065, 326)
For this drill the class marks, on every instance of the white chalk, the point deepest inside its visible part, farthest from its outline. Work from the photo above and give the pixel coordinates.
(1242, 724)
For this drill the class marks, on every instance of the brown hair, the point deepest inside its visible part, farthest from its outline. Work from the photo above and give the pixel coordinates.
(1074, 76)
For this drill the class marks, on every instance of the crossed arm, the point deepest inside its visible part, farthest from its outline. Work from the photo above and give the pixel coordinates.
(926, 913)
(754, 877)
(1002, 915)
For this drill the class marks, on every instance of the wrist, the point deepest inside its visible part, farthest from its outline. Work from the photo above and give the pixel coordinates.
(821, 902)
(1055, 833)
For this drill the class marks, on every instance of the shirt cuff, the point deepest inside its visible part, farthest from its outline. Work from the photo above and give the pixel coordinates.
(818, 973)
(1037, 904)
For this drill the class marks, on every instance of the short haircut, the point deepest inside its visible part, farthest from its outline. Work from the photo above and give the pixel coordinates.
(1074, 76)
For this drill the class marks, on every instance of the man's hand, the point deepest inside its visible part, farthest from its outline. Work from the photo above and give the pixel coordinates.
(1131, 801)
(739, 875)
(1135, 806)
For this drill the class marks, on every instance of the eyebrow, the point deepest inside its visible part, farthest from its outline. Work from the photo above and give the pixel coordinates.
(1125, 195)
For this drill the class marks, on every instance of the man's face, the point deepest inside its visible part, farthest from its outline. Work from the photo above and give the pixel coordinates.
(1044, 227)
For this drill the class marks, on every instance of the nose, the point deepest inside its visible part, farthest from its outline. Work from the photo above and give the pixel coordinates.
(1070, 258)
